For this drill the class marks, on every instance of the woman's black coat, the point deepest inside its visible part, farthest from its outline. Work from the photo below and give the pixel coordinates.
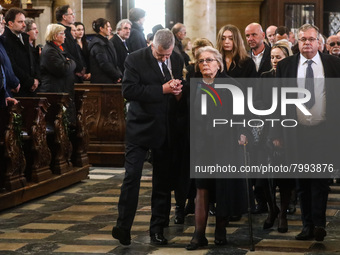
(103, 61)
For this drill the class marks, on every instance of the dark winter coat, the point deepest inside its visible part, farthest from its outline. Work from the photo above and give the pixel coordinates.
(103, 61)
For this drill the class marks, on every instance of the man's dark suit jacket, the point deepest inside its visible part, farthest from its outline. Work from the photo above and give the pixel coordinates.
(288, 68)
(121, 51)
(265, 64)
(22, 61)
(149, 111)
(136, 40)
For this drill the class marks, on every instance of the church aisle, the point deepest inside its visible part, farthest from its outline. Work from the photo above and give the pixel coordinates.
(79, 219)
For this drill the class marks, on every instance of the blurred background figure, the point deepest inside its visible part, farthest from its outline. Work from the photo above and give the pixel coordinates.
(291, 38)
(333, 45)
(103, 56)
(187, 46)
(32, 30)
(270, 33)
(84, 48)
(137, 37)
(123, 30)
(180, 33)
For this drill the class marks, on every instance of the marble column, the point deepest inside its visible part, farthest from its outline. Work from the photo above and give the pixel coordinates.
(200, 19)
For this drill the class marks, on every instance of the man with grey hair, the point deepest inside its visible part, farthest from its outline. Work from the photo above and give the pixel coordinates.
(180, 33)
(123, 30)
(152, 85)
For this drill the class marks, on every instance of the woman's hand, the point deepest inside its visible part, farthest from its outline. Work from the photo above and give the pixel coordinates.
(278, 143)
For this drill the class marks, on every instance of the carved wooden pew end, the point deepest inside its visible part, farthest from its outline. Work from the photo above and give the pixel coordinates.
(12, 158)
(37, 153)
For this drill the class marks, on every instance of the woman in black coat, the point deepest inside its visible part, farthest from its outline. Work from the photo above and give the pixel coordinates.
(209, 148)
(57, 71)
(103, 57)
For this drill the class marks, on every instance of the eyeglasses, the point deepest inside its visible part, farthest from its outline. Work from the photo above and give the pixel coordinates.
(332, 44)
(69, 14)
(61, 33)
(311, 39)
(207, 60)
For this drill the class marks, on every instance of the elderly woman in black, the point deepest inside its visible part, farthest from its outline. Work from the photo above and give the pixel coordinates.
(103, 57)
(210, 66)
(57, 71)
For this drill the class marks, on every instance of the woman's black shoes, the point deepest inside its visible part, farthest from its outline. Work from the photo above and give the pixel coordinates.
(269, 222)
(195, 245)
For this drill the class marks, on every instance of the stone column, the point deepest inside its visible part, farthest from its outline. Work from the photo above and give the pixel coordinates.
(200, 19)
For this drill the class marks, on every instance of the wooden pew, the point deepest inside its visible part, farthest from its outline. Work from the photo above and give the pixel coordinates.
(14, 189)
(37, 153)
(80, 140)
(105, 122)
(12, 158)
(58, 140)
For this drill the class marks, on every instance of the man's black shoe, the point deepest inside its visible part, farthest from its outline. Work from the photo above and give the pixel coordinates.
(260, 208)
(319, 233)
(179, 215)
(122, 235)
(307, 233)
(291, 209)
(190, 207)
(212, 209)
(158, 239)
(179, 219)
(235, 218)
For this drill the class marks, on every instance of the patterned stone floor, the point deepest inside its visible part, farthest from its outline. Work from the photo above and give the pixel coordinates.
(79, 219)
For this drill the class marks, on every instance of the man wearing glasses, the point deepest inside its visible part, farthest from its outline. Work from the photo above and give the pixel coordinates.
(333, 45)
(315, 140)
(65, 16)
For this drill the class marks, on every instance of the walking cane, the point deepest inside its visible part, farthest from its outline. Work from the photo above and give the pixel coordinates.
(252, 247)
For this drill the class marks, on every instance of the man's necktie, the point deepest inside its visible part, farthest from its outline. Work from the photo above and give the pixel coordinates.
(126, 47)
(166, 72)
(309, 84)
(3, 78)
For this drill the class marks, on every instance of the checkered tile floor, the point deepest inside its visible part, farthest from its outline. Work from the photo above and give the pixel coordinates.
(79, 219)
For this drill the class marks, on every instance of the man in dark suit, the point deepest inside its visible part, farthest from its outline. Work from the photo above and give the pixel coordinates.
(137, 38)
(65, 17)
(315, 140)
(260, 52)
(119, 41)
(18, 50)
(152, 85)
